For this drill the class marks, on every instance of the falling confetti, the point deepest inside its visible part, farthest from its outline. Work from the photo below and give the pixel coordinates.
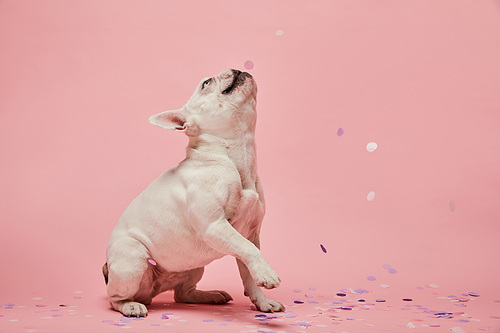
(279, 32)
(248, 64)
(371, 278)
(371, 147)
(370, 196)
(340, 131)
(452, 205)
(152, 262)
(322, 248)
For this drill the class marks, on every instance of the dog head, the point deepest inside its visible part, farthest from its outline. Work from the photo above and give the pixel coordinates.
(222, 105)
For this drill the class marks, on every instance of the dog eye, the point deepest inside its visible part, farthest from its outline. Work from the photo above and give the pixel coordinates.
(206, 83)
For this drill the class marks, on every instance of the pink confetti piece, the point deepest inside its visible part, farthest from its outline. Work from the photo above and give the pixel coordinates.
(249, 64)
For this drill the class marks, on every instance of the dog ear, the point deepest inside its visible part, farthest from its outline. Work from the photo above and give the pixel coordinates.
(175, 120)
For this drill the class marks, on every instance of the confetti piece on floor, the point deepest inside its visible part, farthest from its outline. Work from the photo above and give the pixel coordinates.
(380, 300)
(457, 329)
(392, 271)
(473, 294)
(340, 131)
(411, 325)
(407, 299)
(371, 278)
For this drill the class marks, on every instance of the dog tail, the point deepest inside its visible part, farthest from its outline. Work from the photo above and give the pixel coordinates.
(105, 272)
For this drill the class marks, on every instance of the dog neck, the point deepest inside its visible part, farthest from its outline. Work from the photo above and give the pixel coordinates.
(240, 150)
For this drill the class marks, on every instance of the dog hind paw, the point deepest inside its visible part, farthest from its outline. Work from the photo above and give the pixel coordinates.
(205, 297)
(134, 309)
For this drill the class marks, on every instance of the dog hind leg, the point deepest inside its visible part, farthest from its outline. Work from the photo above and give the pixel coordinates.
(186, 291)
(130, 278)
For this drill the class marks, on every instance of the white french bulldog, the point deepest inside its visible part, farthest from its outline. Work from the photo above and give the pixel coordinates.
(210, 205)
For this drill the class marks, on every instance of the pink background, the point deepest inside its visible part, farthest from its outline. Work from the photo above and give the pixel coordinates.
(79, 80)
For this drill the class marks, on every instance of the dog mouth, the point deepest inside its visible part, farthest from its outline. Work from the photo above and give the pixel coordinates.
(239, 78)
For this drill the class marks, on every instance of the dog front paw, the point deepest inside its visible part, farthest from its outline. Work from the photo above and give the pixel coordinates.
(134, 309)
(266, 277)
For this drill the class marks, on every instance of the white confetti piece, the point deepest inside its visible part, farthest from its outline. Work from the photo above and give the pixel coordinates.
(457, 330)
(370, 196)
(371, 147)
(411, 325)
(279, 32)
(385, 286)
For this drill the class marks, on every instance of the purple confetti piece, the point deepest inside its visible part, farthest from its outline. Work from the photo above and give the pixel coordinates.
(341, 294)
(407, 299)
(298, 302)
(371, 278)
(208, 320)
(380, 300)
(322, 248)
(473, 294)
(392, 271)
(340, 131)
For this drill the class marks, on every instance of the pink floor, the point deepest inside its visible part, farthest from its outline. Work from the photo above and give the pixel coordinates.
(378, 146)
(370, 306)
